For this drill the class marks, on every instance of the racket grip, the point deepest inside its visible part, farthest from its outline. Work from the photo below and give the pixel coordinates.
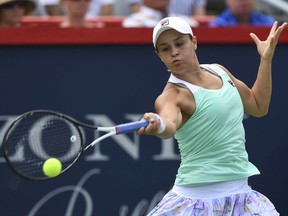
(131, 126)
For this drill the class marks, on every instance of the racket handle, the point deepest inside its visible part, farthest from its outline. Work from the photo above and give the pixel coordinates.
(130, 127)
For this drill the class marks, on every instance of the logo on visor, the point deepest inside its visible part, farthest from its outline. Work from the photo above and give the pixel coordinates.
(165, 22)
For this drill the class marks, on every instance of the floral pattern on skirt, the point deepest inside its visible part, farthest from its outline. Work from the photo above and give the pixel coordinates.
(245, 204)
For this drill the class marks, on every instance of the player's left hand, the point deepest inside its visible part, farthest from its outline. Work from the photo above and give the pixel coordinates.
(266, 48)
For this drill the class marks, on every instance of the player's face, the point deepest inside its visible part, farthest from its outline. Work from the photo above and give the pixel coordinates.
(176, 50)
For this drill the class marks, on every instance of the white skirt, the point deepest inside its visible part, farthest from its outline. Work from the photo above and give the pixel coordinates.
(232, 198)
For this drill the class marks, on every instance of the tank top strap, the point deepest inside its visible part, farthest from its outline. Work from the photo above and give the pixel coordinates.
(182, 83)
(214, 69)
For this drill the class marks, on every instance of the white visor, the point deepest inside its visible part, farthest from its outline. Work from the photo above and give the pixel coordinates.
(175, 23)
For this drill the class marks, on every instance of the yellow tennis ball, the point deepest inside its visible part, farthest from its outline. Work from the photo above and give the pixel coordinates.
(52, 167)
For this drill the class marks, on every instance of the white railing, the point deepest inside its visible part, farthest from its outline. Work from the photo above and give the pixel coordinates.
(279, 4)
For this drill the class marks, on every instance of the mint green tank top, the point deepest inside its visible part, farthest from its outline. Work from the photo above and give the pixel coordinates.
(212, 141)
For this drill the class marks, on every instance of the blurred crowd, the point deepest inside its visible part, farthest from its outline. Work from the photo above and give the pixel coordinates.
(135, 13)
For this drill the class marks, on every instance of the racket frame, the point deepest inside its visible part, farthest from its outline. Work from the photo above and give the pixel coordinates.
(110, 131)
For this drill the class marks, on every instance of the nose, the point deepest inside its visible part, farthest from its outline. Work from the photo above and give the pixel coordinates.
(174, 51)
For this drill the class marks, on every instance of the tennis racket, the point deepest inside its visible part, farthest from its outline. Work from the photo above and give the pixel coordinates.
(38, 135)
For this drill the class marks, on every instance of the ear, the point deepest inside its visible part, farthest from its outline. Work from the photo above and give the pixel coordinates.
(194, 41)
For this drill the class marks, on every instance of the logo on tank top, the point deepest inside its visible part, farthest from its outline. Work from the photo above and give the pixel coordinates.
(230, 81)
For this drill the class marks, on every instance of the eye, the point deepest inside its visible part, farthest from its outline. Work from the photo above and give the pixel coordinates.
(179, 43)
(164, 49)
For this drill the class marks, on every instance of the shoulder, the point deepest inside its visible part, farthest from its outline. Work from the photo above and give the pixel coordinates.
(173, 92)
(176, 96)
(171, 89)
(180, 97)
(223, 68)
(215, 68)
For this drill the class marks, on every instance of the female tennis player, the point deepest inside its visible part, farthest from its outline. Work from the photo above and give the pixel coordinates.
(202, 106)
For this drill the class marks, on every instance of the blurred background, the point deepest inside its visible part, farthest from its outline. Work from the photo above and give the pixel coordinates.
(103, 70)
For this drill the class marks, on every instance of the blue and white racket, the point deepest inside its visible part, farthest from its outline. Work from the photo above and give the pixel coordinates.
(38, 135)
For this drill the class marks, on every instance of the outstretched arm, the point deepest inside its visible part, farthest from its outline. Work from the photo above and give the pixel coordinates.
(169, 119)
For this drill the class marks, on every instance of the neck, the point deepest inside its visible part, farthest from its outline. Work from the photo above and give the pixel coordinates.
(196, 71)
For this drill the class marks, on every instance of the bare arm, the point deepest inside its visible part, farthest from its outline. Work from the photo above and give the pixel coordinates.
(167, 106)
(256, 100)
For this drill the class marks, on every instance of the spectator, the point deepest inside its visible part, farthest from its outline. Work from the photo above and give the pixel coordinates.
(151, 12)
(50, 8)
(134, 5)
(100, 8)
(241, 12)
(12, 11)
(183, 7)
(76, 11)
(188, 7)
(97, 8)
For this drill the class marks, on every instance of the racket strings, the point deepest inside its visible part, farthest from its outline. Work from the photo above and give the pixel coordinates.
(35, 138)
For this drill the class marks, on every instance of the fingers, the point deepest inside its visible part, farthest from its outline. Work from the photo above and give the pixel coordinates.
(153, 127)
(280, 29)
(275, 32)
(266, 47)
(284, 25)
(274, 27)
(255, 38)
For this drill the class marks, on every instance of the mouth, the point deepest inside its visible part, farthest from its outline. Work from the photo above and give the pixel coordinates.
(176, 61)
